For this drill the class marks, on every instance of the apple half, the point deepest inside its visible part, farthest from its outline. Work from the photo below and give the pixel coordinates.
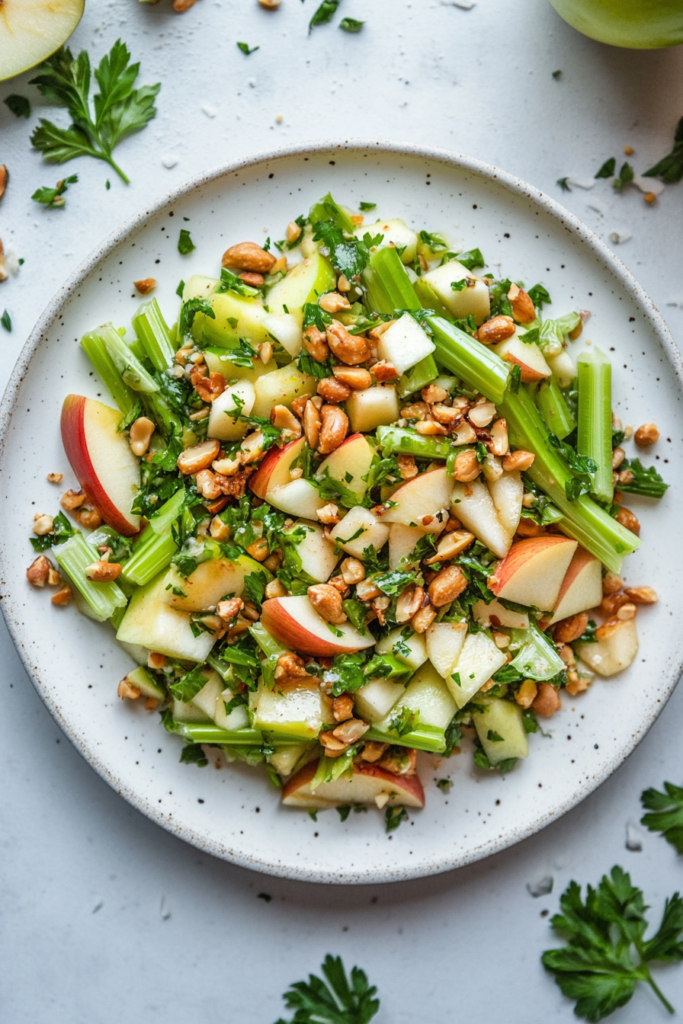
(31, 30)
(101, 458)
(366, 784)
(295, 622)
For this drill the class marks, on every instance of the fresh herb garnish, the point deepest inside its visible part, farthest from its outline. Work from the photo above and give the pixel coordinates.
(582, 465)
(230, 282)
(471, 258)
(608, 169)
(61, 531)
(607, 953)
(119, 109)
(6, 321)
(185, 243)
(255, 586)
(19, 105)
(670, 167)
(353, 25)
(393, 817)
(346, 674)
(54, 196)
(193, 753)
(315, 316)
(189, 684)
(364, 207)
(324, 13)
(647, 482)
(189, 311)
(539, 296)
(564, 184)
(625, 177)
(245, 48)
(334, 998)
(666, 813)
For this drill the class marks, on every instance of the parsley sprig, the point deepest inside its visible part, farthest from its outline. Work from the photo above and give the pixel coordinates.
(666, 813)
(598, 967)
(334, 999)
(119, 108)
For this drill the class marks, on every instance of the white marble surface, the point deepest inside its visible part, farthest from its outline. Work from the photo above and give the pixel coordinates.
(103, 915)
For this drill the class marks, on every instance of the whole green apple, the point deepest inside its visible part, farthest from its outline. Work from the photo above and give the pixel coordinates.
(638, 24)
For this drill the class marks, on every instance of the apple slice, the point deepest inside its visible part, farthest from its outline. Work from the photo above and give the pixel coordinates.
(507, 492)
(150, 623)
(303, 283)
(360, 529)
(478, 661)
(368, 782)
(500, 728)
(101, 458)
(472, 299)
(297, 498)
(208, 584)
(395, 233)
(300, 711)
(222, 423)
(428, 695)
(404, 343)
(528, 357)
(533, 571)
(281, 387)
(473, 505)
(372, 408)
(562, 368)
(286, 329)
(349, 464)
(444, 644)
(294, 622)
(581, 587)
(274, 470)
(402, 542)
(494, 614)
(375, 700)
(425, 496)
(317, 554)
(31, 30)
(411, 650)
(614, 650)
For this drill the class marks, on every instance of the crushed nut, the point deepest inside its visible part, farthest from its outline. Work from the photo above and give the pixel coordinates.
(467, 466)
(327, 602)
(103, 571)
(430, 427)
(333, 746)
(275, 589)
(127, 691)
(432, 393)
(333, 390)
(384, 371)
(547, 702)
(342, 708)
(481, 415)
(54, 478)
(348, 348)
(230, 608)
(352, 570)
(423, 619)
(627, 519)
(156, 660)
(373, 751)
(407, 466)
(520, 461)
(200, 456)
(647, 434)
(642, 595)
(526, 694)
(618, 456)
(333, 302)
(351, 731)
(54, 578)
(354, 377)
(88, 517)
(498, 328)
(335, 425)
(140, 434)
(62, 597)
(72, 500)
(329, 514)
(611, 583)
(450, 546)
(568, 630)
(38, 571)
(315, 344)
(522, 305)
(43, 524)
(312, 423)
(284, 419)
(258, 549)
(447, 585)
(146, 285)
(248, 256)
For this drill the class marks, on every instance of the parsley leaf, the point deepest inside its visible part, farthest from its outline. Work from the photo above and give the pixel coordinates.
(596, 967)
(624, 178)
(324, 13)
(608, 168)
(192, 753)
(6, 321)
(334, 999)
(645, 481)
(119, 109)
(255, 586)
(365, 206)
(346, 674)
(189, 685)
(61, 531)
(348, 255)
(670, 167)
(189, 311)
(471, 259)
(232, 283)
(394, 816)
(539, 295)
(185, 243)
(582, 465)
(353, 25)
(54, 196)
(564, 184)
(19, 105)
(666, 813)
(244, 47)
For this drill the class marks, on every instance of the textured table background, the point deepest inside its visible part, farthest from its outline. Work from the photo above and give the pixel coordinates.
(104, 917)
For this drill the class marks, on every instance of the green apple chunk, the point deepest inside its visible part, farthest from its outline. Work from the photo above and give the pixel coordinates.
(404, 343)
(374, 700)
(285, 759)
(153, 624)
(212, 699)
(300, 711)
(359, 529)
(187, 711)
(31, 30)
(218, 361)
(235, 317)
(199, 287)
(427, 695)
(349, 464)
(628, 23)
(145, 683)
(303, 283)
(316, 553)
(238, 397)
(208, 584)
(372, 408)
(500, 728)
(470, 300)
(395, 233)
(281, 387)
(403, 540)
(411, 649)
(478, 661)
(444, 643)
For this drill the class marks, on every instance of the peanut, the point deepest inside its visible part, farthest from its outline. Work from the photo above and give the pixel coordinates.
(342, 708)
(327, 602)
(275, 589)
(354, 377)
(526, 694)
(522, 306)
(284, 419)
(198, 457)
(467, 467)
(333, 390)
(43, 524)
(642, 595)
(127, 691)
(520, 460)
(348, 348)
(248, 256)
(500, 444)
(352, 570)
(293, 231)
(409, 603)
(430, 427)
(611, 583)
(447, 585)
(333, 302)
(568, 630)
(423, 619)
(329, 514)
(499, 328)
(350, 731)
(627, 519)
(315, 344)
(547, 702)
(384, 370)
(432, 393)
(482, 414)
(140, 434)
(62, 597)
(407, 466)
(146, 285)
(450, 545)
(335, 425)
(647, 434)
(38, 571)
(312, 424)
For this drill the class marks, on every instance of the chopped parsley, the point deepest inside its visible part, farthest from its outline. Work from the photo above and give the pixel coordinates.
(185, 243)
(353, 25)
(54, 196)
(670, 167)
(19, 105)
(245, 48)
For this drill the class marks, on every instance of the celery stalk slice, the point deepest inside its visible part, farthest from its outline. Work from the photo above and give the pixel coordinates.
(424, 737)
(401, 441)
(96, 351)
(74, 556)
(418, 376)
(156, 547)
(554, 409)
(153, 332)
(466, 357)
(595, 418)
(200, 733)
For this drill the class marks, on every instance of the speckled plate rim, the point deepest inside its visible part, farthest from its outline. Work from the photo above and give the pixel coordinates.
(391, 150)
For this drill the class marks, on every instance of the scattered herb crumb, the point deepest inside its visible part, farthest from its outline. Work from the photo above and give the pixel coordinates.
(185, 243)
(557, 74)
(351, 25)
(265, 897)
(6, 321)
(367, 206)
(445, 785)
(19, 105)
(54, 196)
(394, 816)
(324, 13)
(107, 184)
(624, 178)
(670, 167)
(564, 184)
(608, 169)
(244, 47)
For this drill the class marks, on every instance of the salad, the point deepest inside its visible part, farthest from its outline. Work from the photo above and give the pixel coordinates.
(357, 503)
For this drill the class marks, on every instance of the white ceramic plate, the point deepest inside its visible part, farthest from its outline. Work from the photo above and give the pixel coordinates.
(76, 664)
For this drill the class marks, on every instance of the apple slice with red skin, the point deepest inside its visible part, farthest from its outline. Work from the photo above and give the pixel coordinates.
(367, 782)
(422, 497)
(274, 470)
(529, 358)
(581, 587)
(101, 458)
(533, 570)
(295, 622)
(348, 464)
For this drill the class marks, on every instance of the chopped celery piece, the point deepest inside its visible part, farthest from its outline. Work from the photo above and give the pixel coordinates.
(468, 359)
(154, 335)
(105, 367)
(423, 737)
(201, 733)
(402, 441)
(388, 285)
(418, 376)
(595, 418)
(584, 520)
(554, 409)
(126, 362)
(534, 657)
(155, 549)
(74, 556)
(272, 649)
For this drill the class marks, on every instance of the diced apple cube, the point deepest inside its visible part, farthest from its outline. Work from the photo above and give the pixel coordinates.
(374, 700)
(495, 614)
(472, 300)
(444, 644)
(527, 356)
(281, 387)
(299, 711)
(404, 343)
(478, 661)
(500, 729)
(372, 408)
(238, 397)
(395, 233)
(360, 529)
(297, 498)
(614, 650)
(317, 554)
(402, 542)
(473, 505)
(428, 695)
(411, 650)
(286, 329)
